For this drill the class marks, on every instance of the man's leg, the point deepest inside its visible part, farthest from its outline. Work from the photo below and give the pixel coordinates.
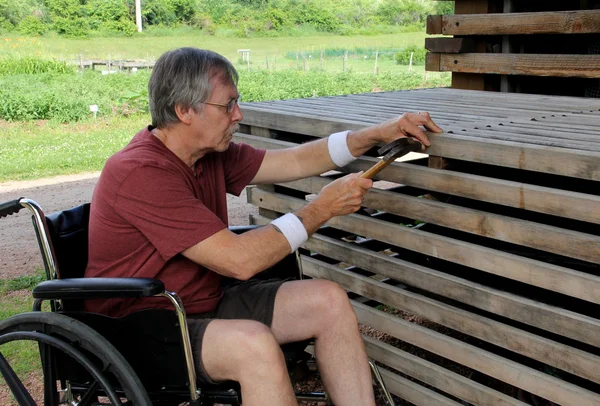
(321, 309)
(246, 351)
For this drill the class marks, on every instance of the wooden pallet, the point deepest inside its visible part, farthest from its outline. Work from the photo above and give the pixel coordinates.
(512, 46)
(495, 256)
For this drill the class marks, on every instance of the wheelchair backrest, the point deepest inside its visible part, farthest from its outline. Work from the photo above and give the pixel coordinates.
(68, 232)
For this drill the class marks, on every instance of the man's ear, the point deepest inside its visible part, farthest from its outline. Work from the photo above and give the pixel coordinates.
(184, 115)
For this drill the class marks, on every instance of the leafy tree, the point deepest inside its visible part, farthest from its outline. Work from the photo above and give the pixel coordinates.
(32, 25)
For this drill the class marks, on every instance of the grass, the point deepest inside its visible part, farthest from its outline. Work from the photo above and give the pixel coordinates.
(33, 147)
(148, 47)
(32, 150)
(15, 298)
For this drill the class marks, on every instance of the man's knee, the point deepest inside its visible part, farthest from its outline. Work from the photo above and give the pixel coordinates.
(234, 348)
(334, 300)
(255, 342)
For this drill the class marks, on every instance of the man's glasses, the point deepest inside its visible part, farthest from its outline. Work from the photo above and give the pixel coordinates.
(229, 106)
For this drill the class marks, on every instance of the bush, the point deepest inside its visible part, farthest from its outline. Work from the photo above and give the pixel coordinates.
(72, 27)
(31, 25)
(403, 57)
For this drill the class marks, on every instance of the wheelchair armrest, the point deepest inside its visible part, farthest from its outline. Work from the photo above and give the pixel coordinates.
(243, 229)
(97, 288)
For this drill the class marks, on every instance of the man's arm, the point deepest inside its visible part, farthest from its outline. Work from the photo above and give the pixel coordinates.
(243, 256)
(313, 158)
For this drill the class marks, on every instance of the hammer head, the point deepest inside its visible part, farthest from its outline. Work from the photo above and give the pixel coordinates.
(398, 148)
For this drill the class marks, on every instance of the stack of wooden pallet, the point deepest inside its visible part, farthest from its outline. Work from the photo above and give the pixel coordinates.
(543, 47)
(480, 265)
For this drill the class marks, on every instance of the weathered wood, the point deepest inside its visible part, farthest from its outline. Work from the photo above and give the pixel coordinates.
(535, 235)
(511, 306)
(436, 376)
(457, 319)
(433, 62)
(260, 131)
(583, 66)
(540, 199)
(581, 164)
(433, 25)
(471, 6)
(413, 392)
(552, 22)
(512, 266)
(449, 45)
(486, 362)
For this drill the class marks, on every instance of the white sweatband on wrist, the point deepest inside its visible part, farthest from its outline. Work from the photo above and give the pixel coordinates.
(338, 149)
(292, 229)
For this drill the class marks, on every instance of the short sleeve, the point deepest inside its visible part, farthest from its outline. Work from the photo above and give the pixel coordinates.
(161, 204)
(241, 162)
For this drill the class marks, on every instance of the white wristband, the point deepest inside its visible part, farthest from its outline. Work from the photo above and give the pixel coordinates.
(338, 149)
(292, 229)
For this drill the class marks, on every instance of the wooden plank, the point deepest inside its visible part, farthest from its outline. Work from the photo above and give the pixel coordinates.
(495, 301)
(433, 62)
(551, 22)
(583, 66)
(433, 26)
(471, 6)
(484, 361)
(436, 376)
(500, 263)
(413, 392)
(560, 241)
(457, 319)
(449, 45)
(581, 164)
(578, 206)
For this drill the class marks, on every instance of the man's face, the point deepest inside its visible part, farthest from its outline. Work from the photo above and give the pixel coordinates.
(215, 124)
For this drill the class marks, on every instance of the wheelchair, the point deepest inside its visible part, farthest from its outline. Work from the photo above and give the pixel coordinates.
(144, 358)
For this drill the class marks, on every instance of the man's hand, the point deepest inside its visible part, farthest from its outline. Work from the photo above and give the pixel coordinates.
(343, 196)
(407, 125)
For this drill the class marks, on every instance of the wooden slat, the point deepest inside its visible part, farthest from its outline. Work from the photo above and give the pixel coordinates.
(462, 353)
(436, 376)
(580, 328)
(552, 22)
(413, 392)
(583, 66)
(511, 306)
(552, 389)
(540, 199)
(569, 243)
(449, 45)
(576, 163)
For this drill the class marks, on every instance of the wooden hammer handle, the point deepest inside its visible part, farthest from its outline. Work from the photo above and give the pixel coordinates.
(375, 169)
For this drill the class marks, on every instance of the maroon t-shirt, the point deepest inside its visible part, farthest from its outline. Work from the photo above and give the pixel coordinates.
(149, 206)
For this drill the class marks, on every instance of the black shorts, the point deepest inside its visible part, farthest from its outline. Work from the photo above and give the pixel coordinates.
(245, 300)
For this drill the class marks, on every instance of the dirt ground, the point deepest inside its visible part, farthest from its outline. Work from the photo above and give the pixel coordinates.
(19, 254)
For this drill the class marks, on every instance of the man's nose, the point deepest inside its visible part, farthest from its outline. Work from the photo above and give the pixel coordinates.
(237, 114)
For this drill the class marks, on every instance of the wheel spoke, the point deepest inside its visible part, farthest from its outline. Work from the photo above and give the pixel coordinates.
(86, 399)
(15, 384)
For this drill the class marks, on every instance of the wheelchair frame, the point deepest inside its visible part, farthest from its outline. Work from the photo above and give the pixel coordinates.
(55, 290)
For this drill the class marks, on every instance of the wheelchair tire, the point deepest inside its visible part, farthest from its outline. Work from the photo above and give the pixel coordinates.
(78, 341)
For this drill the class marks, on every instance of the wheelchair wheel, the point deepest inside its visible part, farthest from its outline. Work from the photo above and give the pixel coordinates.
(79, 366)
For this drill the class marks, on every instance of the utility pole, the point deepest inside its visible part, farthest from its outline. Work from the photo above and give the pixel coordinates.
(138, 15)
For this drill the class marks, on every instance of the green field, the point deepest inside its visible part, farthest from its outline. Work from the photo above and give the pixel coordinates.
(45, 121)
(276, 49)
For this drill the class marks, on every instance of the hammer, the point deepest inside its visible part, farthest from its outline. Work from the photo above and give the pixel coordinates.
(390, 152)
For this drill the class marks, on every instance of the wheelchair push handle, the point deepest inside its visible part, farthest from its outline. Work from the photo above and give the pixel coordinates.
(10, 207)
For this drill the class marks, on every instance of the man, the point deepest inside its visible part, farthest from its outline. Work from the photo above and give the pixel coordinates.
(159, 211)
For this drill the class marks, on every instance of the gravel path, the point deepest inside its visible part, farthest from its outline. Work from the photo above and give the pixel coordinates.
(19, 254)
